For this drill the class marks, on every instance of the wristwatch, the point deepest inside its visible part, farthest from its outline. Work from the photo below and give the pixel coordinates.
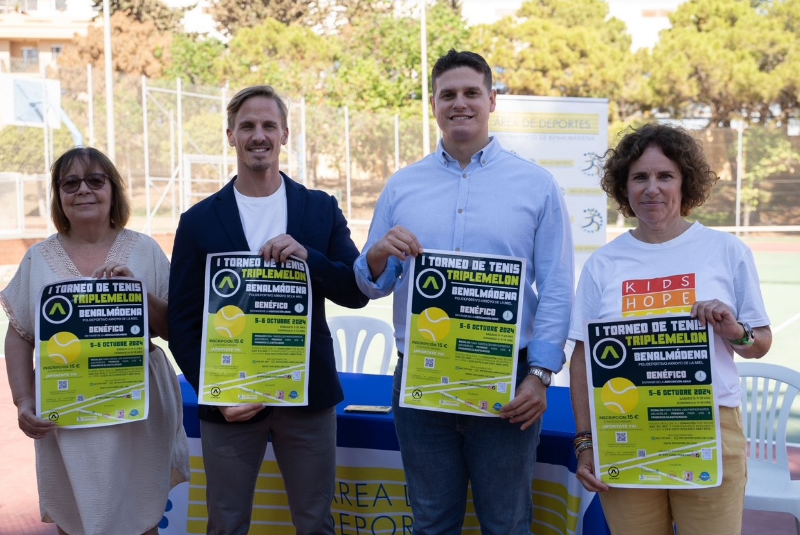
(544, 375)
(749, 337)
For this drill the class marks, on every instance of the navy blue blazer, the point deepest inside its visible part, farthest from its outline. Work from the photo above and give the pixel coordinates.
(213, 226)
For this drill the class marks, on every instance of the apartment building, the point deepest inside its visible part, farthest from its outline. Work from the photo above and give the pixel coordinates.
(34, 32)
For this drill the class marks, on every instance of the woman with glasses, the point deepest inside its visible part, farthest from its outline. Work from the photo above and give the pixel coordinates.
(98, 480)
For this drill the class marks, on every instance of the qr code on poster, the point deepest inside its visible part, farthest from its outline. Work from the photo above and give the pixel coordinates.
(706, 454)
(502, 387)
(227, 360)
(445, 380)
(137, 394)
(242, 375)
(430, 362)
(622, 437)
(641, 453)
(63, 384)
(80, 397)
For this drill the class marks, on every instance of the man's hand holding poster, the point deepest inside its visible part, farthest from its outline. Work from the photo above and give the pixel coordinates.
(92, 347)
(463, 332)
(256, 331)
(654, 420)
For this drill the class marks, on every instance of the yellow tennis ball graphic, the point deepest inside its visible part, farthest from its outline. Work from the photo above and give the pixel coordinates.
(433, 324)
(620, 395)
(63, 347)
(230, 321)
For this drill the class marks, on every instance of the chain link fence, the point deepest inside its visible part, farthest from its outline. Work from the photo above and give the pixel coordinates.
(182, 154)
(758, 169)
(172, 150)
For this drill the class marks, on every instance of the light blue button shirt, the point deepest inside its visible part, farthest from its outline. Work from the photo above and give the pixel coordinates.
(500, 204)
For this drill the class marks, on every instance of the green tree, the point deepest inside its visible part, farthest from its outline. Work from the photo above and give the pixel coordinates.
(786, 15)
(137, 48)
(235, 15)
(566, 48)
(734, 57)
(23, 149)
(294, 59)
(325, 16)
(380, 67)
(196, 59)
(379, 72)
(156, 11)
(767, 152)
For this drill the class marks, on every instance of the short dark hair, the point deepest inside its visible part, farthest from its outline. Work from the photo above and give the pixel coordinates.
(453, 60)
(89, 156)
(266, 91)
(677, 145)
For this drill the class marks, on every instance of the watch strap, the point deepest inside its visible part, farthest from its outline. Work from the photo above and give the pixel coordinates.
(748, 339)
(545, 376)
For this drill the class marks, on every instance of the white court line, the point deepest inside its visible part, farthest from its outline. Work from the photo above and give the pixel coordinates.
(786, 323)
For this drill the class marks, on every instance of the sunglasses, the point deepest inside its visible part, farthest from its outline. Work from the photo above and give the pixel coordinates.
(72, 183)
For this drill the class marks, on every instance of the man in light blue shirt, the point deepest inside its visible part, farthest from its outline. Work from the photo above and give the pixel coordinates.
(473, 196)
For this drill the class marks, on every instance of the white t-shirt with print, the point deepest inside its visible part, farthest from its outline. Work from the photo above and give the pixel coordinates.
(628, 277)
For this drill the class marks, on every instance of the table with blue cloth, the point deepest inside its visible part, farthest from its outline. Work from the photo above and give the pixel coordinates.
(371, 496)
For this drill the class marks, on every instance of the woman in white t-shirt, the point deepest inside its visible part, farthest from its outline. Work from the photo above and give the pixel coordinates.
(658, 174)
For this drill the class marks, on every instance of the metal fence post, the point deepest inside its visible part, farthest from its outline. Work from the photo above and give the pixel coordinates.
(90, 91)
(172, 169)
(303, 149)
(739, 172)
(396, 142)
(347, 158)
(224, 174)
(185, 189)
(147, 227)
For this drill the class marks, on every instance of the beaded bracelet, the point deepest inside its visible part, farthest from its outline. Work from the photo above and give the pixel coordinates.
(583, 446)
(583, 441)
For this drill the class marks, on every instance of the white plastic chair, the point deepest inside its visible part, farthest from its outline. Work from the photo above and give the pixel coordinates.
(355, 354)
(768, 391)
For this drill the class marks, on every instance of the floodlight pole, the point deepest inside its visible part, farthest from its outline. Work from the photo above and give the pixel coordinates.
(110, 141)
(739, 173)
(48, 156)
(90, 90)
(423, 37)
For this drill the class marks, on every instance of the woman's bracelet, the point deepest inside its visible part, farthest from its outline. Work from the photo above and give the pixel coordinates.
(583, 441)
(583, 446)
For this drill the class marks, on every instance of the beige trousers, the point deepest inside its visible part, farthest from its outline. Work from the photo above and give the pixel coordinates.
(714, 511)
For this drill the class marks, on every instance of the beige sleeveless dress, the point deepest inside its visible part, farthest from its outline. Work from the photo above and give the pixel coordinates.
(115, 479)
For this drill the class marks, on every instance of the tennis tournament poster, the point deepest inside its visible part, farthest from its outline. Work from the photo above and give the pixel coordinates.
(462, 332)
(654, 420)
(256, 331)
(91, 350)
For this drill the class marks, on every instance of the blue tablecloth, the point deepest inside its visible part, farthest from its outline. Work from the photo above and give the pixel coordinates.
(376, 431)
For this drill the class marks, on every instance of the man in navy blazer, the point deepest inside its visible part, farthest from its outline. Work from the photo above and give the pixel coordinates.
(261, 209)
